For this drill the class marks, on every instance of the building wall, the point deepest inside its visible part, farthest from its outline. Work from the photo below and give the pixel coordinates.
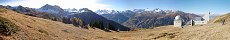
(178, 23)
(206, 16)
(200, 22)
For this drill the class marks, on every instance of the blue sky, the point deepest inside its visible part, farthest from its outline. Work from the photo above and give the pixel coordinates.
(191, 6)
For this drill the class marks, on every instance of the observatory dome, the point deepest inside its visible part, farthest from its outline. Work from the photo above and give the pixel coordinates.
(177, 17)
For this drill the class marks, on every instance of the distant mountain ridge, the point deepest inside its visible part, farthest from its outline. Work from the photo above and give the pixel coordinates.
(89, 17)
(51, 9)
(145, 18)
(82, 18)
(137, 18)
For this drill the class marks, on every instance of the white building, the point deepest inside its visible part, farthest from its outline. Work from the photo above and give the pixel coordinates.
(201, 20)
(178, 21)
(196, 21)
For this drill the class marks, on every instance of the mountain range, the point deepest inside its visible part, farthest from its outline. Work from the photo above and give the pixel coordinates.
(120, 20)
(51, 22)
(145, 18)
(84, 17)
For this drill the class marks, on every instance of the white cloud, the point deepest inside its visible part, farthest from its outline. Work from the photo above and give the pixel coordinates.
(91, 4)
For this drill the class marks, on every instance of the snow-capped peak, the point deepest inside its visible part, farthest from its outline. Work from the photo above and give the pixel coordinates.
(84, 10)
(158, 10)
(148, 9)
(106, 11)
(71, 10)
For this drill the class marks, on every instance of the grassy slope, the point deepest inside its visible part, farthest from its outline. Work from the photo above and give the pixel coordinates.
(225, 17)
(37, 28)
(42, 29)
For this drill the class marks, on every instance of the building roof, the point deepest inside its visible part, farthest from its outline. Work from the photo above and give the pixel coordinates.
(198, 19)
(177, 17)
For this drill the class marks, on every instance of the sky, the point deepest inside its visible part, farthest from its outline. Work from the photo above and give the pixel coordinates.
(190, 6)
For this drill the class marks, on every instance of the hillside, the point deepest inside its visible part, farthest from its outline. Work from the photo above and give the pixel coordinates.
(91, 18)
(119, 17)
(220, 19)
(82, 18)
(33, 28)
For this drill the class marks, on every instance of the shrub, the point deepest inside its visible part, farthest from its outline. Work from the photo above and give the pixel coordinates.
(7, 27)
(77, 21)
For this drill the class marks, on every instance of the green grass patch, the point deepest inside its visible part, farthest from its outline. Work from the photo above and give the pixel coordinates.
(7, 27)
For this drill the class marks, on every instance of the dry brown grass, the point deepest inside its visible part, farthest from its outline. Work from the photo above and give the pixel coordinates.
(43, 31)
(7, 27)
(29, 27)
(225, 17)
(2, 9)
